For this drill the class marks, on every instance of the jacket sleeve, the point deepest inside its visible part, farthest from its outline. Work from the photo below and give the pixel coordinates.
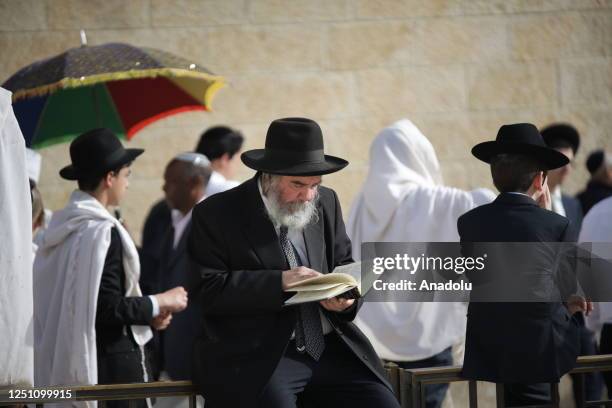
(226, 291)
(114, 308)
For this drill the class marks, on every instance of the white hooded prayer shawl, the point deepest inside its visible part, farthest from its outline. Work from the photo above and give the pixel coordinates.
(403, 200)
(67, 273)
(16, 334)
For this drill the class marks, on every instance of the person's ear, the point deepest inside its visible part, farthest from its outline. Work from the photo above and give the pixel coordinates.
(108, 179)
(538, 181)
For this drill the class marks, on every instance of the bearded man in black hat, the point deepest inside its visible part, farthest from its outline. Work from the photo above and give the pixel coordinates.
(277, 228)
(522, 345)
(91, 322)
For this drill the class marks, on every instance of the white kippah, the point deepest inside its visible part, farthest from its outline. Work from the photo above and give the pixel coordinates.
(197, 159)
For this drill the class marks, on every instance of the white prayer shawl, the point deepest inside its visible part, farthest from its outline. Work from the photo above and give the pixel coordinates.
(16, 334)
(597, 227)
(403, 200)
(67, 273)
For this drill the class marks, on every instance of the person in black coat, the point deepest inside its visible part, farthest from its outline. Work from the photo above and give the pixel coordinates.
(520, 344)
(100, 165)
(565, 139)
(254, 240)
(599, 187)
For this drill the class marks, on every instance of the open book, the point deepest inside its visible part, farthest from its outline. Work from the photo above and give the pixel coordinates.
(342, 282)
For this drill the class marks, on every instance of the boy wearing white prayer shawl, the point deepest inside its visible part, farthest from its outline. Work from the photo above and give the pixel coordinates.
(91, 321)
(16, 335)
(404, 200)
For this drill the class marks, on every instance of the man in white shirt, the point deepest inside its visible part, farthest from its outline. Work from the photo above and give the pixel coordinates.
(222, 146)
(185, 181)
(565, 139)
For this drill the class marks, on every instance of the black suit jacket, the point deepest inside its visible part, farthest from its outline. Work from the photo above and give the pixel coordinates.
(178, 269)
(245, 326)
(157, 225)
(517, 342)
(119, 357)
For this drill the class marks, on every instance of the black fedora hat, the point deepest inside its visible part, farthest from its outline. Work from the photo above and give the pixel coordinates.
(520, 138)
(294, 147)
(96, 152)
(557, 134)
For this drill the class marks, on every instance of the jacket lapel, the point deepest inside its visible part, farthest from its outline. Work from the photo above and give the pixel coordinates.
(175, 253)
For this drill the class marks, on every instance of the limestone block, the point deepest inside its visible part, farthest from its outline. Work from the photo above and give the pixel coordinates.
(372, 44)
(350, 138)
(449, 133)
(510, 6)
(557, 35)
(587, 81)
(258, 48)
(272, 11)
(19, 15)
(77, 14)
(397, 92)
(527, 6)
(455, 40)
(405, 8)
(346, 183)
(267, 96)
(27, 47)
(185, 13)
(512, 85)
(189, 43)
(137, 202)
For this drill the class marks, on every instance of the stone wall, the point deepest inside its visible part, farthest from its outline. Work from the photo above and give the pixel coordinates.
(458, 68)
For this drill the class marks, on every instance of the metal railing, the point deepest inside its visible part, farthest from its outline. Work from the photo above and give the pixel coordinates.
(408, 386)
(412, 384)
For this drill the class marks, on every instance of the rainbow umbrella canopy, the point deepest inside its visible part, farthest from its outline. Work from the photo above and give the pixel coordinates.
(118, 86)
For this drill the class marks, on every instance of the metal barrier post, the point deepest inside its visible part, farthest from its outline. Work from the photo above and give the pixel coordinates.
(473, 393)
(499, 395)
(405, 389)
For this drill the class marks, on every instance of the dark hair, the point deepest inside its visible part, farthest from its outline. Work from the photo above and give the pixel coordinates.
(514, 172)
(218, 140)
(91, 183)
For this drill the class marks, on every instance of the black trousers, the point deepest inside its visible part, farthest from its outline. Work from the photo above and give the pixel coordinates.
(338, 379)
(122, 367)
(516, 395)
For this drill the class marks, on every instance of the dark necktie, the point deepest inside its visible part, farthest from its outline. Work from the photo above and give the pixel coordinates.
(308, 330)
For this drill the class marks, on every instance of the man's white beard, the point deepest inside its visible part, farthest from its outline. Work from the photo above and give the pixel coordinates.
(291, 215)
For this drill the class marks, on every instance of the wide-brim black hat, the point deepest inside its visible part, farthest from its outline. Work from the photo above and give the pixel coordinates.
(520, 138)
(294, 147)
(95, 153)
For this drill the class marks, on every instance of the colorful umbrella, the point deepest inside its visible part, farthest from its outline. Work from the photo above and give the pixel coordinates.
(114, 85)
